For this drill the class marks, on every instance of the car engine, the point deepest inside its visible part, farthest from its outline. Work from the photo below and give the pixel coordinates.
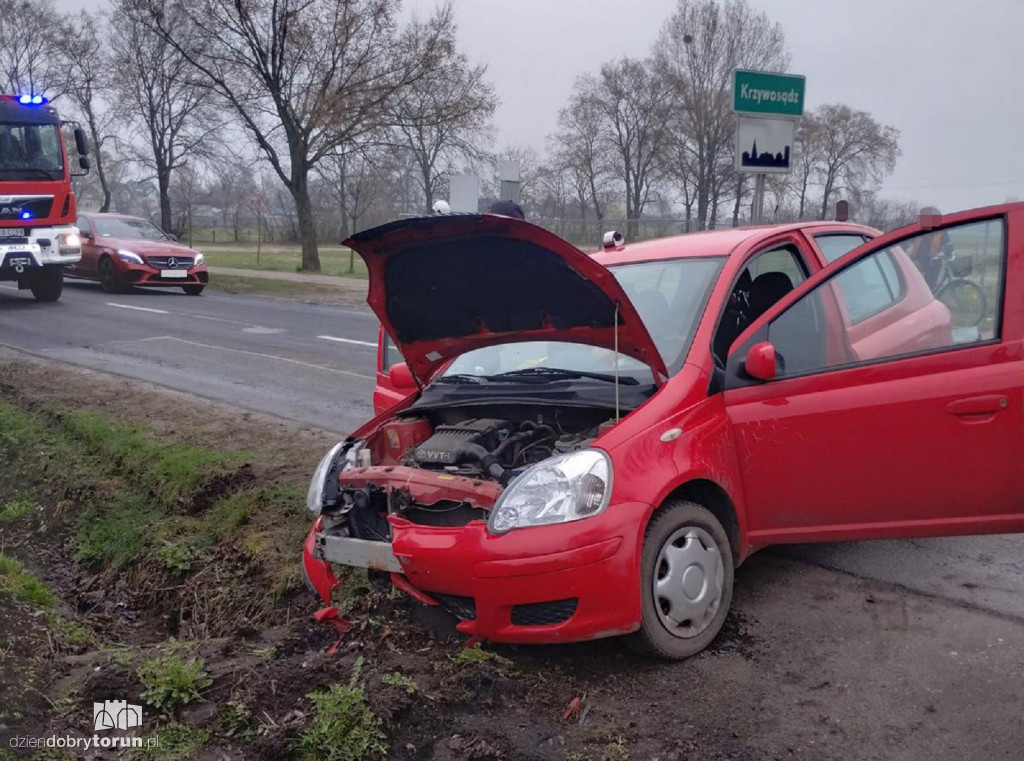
(447, 472)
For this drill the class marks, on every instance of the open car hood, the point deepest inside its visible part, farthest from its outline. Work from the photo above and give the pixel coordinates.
(442, 286)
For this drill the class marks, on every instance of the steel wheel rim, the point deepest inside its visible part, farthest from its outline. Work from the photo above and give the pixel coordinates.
(688, 581)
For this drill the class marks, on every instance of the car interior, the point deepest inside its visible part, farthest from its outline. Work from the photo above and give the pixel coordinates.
(768, 277)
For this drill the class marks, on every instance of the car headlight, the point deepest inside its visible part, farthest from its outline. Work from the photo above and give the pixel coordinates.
(71, 240)
(565, 488)
(318, 485)
(200, 259)
(128, 256)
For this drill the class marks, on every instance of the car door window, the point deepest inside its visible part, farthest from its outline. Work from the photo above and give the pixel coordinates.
(391, 354)
(768, 277)
(83, 225)
(837, 244)
(934, 291)
(870, 286)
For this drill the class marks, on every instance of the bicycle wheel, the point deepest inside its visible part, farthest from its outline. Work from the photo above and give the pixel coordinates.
(965, 300)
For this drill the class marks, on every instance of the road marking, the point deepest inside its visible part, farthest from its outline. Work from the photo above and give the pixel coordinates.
(349, 341)
(137, 309)
(268, 356)
(9, 287)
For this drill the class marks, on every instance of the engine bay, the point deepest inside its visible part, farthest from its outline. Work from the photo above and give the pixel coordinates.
(448, 467)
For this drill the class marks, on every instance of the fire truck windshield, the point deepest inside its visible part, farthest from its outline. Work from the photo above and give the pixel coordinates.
(30, 152)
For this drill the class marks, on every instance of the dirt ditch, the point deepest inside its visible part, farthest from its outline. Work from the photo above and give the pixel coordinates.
(152, 557)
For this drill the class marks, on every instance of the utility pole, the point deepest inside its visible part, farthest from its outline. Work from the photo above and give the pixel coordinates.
(757, 205)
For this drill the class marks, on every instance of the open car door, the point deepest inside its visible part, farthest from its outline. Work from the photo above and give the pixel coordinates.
(883, 397)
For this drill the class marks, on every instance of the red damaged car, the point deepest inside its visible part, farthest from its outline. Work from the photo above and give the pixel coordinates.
(122, 252)
(587, 446)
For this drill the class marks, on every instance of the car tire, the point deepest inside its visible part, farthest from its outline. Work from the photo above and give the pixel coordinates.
(110, 281)
(47, 284)
(680, 619)
(193, 290)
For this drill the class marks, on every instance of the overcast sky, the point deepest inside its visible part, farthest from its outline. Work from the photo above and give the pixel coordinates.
(949, 74)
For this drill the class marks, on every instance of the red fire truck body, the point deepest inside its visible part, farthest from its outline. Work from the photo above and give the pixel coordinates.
(38, 236)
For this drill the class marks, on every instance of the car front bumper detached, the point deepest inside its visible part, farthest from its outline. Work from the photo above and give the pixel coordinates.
(545, 584)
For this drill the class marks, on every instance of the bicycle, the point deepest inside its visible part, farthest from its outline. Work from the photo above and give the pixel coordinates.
(964, 298)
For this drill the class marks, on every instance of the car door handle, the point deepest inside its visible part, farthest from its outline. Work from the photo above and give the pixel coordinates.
(978, 405)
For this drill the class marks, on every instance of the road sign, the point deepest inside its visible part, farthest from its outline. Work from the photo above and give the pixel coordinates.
(464, 193)
(764, 146)
(764, 93)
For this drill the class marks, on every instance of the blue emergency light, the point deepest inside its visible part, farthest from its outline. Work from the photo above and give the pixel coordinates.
(26, 215)
(31, 100)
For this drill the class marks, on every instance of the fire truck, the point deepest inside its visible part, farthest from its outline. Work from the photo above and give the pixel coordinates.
(38, 236)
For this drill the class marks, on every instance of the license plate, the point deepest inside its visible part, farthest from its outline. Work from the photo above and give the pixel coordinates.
(173, 273)
(12, 232)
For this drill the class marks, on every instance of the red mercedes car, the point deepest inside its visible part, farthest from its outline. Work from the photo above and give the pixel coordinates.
(122, 252)
(581, 446)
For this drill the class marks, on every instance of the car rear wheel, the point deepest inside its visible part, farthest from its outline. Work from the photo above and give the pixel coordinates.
(686, 576)
(47, 284)
(193, 290)
(110, 281)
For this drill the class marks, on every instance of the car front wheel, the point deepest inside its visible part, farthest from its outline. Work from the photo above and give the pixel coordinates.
(686, 576)
(110, 280)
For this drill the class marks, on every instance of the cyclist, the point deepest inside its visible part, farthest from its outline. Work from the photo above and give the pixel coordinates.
(928, 251)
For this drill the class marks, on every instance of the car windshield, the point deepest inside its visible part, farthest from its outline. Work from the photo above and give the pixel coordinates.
(669, 295)
(31, 151)
(127, 227)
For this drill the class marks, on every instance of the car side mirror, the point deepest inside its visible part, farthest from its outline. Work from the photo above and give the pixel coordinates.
(81, 143)
(401, 377)
(84, 163)
(761, 361)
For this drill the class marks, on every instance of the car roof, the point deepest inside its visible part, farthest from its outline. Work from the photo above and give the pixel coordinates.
(717, 242)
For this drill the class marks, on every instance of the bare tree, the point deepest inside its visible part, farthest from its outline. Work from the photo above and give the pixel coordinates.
(232, 180)
(85, 72)
(632, 98)
(185, 190)
(853, 150)
(700, 46)
(304, 77)
(159, 93)
(807, 151)
(357, 180)
(882, 213)
(580, 146)
(444, 117)
(30, 38)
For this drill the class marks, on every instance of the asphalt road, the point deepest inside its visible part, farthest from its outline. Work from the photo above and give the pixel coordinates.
(266, 355)
(315, 365)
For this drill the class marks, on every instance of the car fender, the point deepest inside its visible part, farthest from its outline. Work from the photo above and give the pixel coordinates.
(668, 451)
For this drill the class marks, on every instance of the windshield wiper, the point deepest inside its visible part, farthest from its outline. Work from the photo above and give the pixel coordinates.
(461, 379)
(554, 372)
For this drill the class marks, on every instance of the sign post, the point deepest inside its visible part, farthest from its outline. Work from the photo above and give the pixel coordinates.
(767, 105)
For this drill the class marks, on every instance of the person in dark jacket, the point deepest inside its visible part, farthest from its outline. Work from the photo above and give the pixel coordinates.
(507, 209)
(928, 251)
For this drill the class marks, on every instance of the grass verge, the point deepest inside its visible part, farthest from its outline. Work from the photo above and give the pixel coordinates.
(314, 293)
(333, 261)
